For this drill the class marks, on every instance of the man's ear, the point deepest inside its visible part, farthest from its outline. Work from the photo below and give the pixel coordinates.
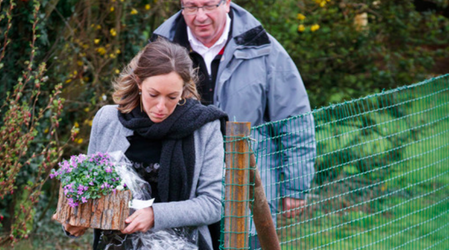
(228, 6)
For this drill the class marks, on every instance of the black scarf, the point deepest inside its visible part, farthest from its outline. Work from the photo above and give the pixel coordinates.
(177, 162)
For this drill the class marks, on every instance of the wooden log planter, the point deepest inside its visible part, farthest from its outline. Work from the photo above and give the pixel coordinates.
(107, 212)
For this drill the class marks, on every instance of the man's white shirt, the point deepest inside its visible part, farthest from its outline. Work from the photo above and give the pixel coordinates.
(209, 54)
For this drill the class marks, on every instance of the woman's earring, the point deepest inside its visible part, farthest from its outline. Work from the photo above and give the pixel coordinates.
(180, 104)
(140, 97)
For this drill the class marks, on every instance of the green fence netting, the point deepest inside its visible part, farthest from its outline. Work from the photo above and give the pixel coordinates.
(381, 178)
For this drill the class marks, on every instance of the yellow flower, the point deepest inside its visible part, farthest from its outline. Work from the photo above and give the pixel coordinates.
(86, 110)
(98, 27)
(113, 32)
(134, 11)
(112, 9)
(80, 63)
(101, 50)
(79, 140)
(300, 16)
(46, 131)
(77, 125)
(86, 79)
(323, 3)
(68, 80)
(314, 27)
(301, 28)
(117, 71)
(90, 123)
(75, 73)
(117, 51)
(147, 7)
(112, 56)
(96, 41)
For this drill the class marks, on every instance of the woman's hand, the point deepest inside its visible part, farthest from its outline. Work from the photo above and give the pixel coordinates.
(72, 230)
(141, 220)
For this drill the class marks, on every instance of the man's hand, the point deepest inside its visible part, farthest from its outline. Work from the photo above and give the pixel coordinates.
(72, 230)
(141, 220)
(292, 207)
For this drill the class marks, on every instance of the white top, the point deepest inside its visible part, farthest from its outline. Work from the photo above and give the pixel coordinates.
(209, 54)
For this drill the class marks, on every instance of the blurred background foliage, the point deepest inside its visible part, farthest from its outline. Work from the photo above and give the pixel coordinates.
(343, 49)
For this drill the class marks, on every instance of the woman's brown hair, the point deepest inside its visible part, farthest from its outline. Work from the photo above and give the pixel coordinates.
(157, 58)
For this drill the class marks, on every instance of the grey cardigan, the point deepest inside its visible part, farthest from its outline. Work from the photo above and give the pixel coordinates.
(204, 205)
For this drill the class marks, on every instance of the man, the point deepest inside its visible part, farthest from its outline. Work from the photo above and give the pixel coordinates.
(244, 71)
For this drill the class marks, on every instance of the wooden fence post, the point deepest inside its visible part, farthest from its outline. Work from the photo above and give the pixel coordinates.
(236, 224)
(263, 221)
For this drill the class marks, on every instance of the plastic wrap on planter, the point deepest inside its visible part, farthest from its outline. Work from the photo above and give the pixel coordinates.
(184, 238)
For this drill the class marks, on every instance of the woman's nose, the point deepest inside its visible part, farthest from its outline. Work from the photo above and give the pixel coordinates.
(161, 104)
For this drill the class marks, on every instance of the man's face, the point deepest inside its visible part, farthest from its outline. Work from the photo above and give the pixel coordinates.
(206, 26)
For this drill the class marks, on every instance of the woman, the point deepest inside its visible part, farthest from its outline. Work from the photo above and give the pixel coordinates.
(169, 137)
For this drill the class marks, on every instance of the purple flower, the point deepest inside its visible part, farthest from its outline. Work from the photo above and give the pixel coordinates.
(64, 165)
(114, 190)
(52, 176)
(73, 204)
(91, 183)
(81, 158)
(80, 192)
(85, 188)
(83, 199)
(74, 164)
(108, 170)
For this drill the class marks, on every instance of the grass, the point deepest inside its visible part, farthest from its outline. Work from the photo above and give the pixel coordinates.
(402, 206)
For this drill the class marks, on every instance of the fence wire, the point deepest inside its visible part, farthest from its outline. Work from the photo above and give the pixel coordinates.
(381, 178)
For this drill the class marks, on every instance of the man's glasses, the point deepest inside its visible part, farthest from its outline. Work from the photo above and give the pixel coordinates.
(192, 10)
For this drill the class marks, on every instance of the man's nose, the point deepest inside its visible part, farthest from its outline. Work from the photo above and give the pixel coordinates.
(201, 15)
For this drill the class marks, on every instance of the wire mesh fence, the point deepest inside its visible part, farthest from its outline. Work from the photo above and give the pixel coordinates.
(381, 172)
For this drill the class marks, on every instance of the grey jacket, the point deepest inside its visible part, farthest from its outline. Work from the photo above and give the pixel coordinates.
(258, 82)
(204, 205)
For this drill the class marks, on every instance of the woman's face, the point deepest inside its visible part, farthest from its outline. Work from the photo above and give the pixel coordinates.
(160, 94)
